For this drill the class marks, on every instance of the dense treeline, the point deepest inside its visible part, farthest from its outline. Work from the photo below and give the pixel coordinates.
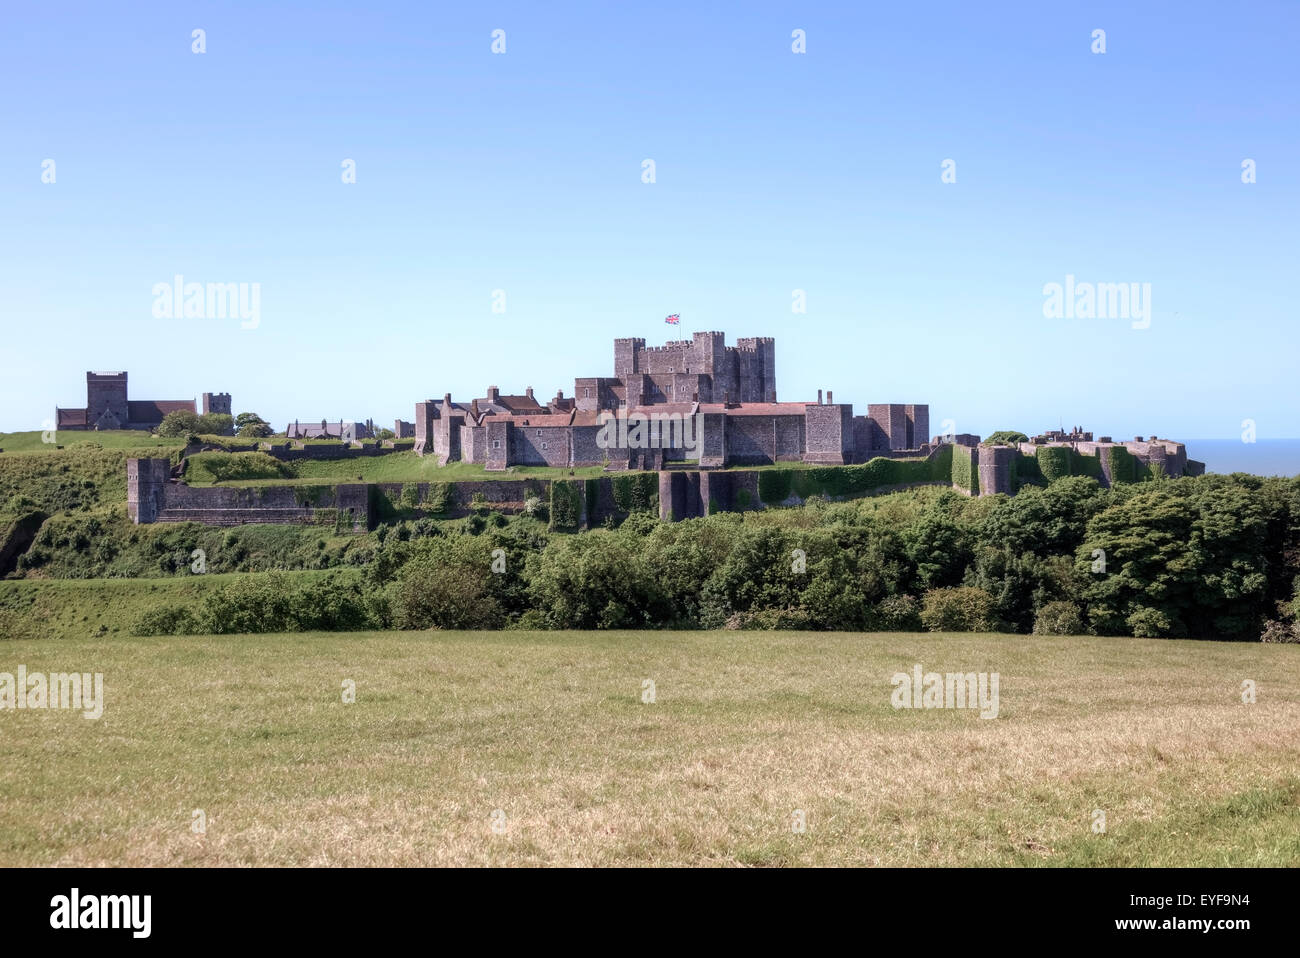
(1209, 557)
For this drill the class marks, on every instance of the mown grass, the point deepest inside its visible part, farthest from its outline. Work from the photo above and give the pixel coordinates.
(128, 439)
(551, 729)
(392, 467)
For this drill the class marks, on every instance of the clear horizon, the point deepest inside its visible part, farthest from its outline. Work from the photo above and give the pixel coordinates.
(775, 172)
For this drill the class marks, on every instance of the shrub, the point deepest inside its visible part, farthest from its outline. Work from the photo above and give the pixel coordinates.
(1007, 437)
(210, 467)
(449, 582)
(1059, 618)
(596, 581)
(896, 613)
(1277, 631)
(958, 609)
(1149, 623)
(770, 619)
(167, 620)
(273, 603)
(216, 424)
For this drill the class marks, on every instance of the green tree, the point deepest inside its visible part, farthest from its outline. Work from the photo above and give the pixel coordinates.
(180, 422)
(215, 424)
(252, 426)
(1005, 437)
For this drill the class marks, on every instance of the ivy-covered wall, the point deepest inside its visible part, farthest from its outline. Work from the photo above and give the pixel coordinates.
(845, 482)
(636, 492)
(965, 472)
(1122, 465)
(566, 505)
(1055, 462)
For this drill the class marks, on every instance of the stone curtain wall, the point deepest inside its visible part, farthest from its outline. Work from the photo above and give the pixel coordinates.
(286, 452)
(758, 440)
(152, 496)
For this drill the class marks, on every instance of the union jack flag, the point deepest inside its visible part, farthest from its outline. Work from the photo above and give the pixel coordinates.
(673, 320)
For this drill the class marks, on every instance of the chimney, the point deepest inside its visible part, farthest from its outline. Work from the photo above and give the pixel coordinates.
(529, 392)
(819, 397)
(446, 399)
(492, 394)
(830, 398)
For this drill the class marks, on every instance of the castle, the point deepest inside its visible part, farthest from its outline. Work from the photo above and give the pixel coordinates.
(107, 406)
(685, 410)
(717, 402)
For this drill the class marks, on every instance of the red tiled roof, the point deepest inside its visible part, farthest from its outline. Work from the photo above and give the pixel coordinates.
(519, 403)
(738, 409)
(662, 408)
(543, 420)
(758, 408)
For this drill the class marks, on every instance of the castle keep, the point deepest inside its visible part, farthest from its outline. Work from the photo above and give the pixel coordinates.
(107, 406)
(695, 400)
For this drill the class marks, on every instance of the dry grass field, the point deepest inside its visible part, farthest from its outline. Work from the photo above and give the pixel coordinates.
(746, 728)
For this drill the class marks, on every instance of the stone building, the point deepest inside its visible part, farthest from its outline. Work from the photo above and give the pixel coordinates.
(695, 400)
(341, 429)
(108, 406)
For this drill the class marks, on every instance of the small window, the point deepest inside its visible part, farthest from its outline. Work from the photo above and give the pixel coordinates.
(586, 392)
(543, 447)
(539, 432)
(670, 368)
(496, 443)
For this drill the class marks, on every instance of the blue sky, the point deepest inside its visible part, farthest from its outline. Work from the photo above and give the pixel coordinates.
(775, 171)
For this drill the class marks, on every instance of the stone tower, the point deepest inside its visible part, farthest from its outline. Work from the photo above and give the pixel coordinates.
(216, 402)
(106, 406)
(146, 487)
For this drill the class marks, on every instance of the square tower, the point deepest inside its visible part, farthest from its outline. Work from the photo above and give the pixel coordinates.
(216, 403)
(106, 405)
